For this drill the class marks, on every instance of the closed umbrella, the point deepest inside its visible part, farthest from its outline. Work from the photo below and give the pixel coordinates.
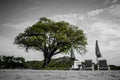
(97, 50)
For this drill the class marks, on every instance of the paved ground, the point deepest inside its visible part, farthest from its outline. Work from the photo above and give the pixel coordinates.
(58, 75)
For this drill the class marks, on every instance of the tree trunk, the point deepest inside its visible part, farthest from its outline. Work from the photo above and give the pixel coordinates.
(47, 59)
(46, 63)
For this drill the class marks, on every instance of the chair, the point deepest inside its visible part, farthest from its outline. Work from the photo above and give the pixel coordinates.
(102, 65)
(88, 65)
(75, 66)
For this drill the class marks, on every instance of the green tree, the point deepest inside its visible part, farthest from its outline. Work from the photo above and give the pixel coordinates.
(52, 38)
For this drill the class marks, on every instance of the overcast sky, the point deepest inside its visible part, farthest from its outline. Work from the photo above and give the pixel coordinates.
(100, 20)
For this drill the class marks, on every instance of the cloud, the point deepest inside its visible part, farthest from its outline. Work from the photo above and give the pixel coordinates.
(10, 30)
(33, 1)
(115, 10)
(19, 25)
(111, 1)
(107, 28)
(36, 8)
(101, 25)
(71, 18)
(114, 1)
(112, 11)
(95, 12)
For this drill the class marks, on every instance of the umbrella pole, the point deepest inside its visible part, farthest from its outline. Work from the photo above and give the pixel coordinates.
(97, 63)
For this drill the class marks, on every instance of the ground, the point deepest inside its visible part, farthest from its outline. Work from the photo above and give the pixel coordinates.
(17, 74)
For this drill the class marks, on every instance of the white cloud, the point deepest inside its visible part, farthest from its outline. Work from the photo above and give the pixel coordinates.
(34, 1)
(111, 1)
(114, 1)
(36, 8)
(102, 25)
(23, 25)
(71, 18)
(6, 41)
(111, 12)
(95, 12)
(107, 28)
(115, 10)
(20, 27)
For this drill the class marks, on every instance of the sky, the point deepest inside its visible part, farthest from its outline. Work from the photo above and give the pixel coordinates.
(99, 19)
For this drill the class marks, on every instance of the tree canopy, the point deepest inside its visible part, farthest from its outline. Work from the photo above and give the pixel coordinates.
(52, 38)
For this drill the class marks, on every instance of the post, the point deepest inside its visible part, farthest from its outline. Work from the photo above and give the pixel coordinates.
(97, 63)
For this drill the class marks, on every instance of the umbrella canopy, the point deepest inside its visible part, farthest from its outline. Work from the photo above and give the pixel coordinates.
(97, 50)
